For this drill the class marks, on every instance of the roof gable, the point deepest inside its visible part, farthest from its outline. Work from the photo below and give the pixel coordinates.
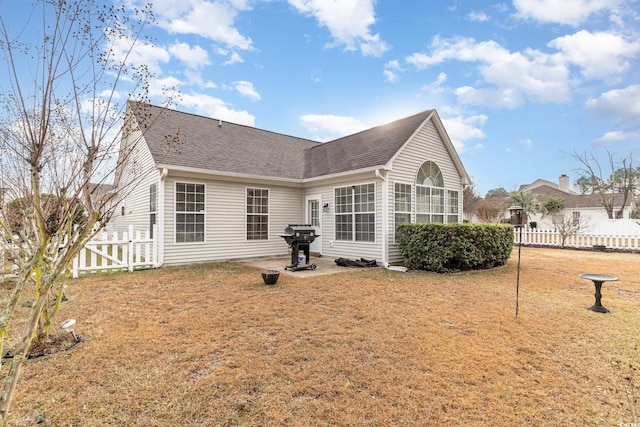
(540, 182)
(446, 141)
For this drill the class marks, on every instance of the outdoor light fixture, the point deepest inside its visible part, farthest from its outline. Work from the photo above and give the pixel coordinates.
(68, 326)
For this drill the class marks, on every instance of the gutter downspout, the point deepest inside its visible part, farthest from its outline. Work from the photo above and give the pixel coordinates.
(385, 216)
(160, 223)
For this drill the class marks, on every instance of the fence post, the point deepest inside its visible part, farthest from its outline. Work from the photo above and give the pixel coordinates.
(154, 245)
(74, 268)
(130, 260)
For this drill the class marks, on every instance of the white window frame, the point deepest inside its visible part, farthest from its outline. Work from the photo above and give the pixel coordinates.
(247, 213)
(202, 212)
(450, 214)
(397, 212)
(436, 203)
(354, 213)
(153, 207)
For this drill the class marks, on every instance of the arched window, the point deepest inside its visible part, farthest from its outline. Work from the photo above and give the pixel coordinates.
(430, 175)
(429, 193)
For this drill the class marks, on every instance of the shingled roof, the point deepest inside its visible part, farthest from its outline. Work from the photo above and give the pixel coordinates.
(573, 200)
(371, 147)
(191, 141)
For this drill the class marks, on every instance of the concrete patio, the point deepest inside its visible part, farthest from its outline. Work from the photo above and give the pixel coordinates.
(324, 266)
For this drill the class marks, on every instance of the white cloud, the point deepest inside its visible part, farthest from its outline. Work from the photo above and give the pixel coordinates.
(527, 142)
(599, 54)
(620, 104)
(616, 136)
(348, 21)
(391, 70)
(194, 78)
(164, 89)
(462, 129)
(213, 20)
(215, 108)
(391, 76)
(569, 12)
(138, 52)
(194, 57)
(235, 58)
(538, 76)
(246, 89)
(497, 98)
(331, 126)
(435, 87)
(478, 17)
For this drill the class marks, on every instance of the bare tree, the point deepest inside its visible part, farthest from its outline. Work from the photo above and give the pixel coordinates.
(614, 185)
(62, 124)
(470, 202)
(566, 226)
(494, 193)
(491, 210)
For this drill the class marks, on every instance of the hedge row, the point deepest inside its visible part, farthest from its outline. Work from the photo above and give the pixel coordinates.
(446, 248)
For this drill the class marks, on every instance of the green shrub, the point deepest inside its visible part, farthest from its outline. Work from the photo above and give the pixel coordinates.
(446, 248)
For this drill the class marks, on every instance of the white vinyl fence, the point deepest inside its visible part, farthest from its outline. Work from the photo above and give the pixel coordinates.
(121, 252)
(127, 251)
(539, 237)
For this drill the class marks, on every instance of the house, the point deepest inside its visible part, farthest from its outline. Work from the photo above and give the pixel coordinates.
(586, 209)
(217, 190)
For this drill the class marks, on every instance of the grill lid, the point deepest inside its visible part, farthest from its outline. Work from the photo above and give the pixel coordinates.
(299, 229)
(299, 234)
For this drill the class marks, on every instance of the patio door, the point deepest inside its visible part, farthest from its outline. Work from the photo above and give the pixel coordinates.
(314, 217)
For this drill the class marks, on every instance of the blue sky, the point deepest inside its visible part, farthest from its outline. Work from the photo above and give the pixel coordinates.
(518, 84)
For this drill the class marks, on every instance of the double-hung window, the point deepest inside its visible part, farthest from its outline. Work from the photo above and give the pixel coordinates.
(355, 217)
(257, 214)
(402, 198)
(453, 206)
(153, 207)
(189, 212)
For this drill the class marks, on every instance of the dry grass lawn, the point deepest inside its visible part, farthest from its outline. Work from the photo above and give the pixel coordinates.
(211, 345)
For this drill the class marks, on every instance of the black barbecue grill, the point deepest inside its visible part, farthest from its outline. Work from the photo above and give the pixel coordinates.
(299, 237)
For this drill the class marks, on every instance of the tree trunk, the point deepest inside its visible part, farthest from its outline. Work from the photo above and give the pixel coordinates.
(19, 357)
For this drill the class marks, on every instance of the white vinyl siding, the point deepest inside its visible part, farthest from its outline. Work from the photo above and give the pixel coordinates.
(346, 248)
(226, 228)
(426, 145)
(136, 176)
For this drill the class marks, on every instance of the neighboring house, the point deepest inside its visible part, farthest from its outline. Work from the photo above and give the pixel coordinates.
(586, 209)
(217, 190)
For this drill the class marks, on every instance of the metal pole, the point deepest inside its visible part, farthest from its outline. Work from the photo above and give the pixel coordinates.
(518, 274)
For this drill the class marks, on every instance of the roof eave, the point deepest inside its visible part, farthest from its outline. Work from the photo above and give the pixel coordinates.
(229, 175)
(345, 173)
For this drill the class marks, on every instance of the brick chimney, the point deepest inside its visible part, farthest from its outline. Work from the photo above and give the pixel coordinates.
(564, 183)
